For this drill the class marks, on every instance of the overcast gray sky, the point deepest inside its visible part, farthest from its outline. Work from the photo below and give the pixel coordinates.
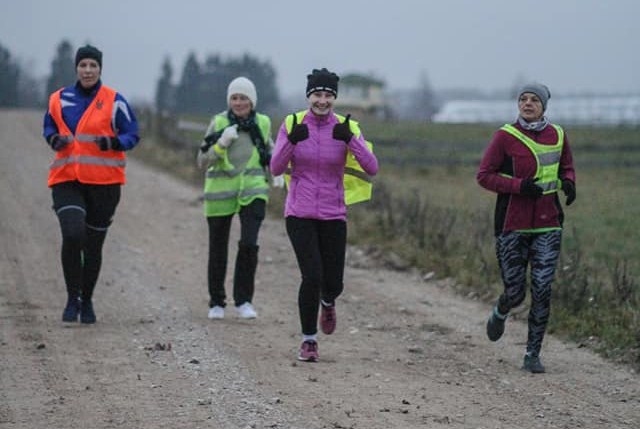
(571, 45)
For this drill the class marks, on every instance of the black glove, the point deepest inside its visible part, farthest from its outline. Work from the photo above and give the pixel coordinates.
(209, 141)
(529, 188)
(343, 131)
(298, 132)
(57, 142)
(108, 143)
(569, 189)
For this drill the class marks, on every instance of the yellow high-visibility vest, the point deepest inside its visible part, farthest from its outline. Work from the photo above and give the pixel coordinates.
(358, 185)
(547, 157)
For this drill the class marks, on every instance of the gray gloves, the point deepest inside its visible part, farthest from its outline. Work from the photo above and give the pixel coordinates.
(228, 136)
(207, 153)
(277, 181)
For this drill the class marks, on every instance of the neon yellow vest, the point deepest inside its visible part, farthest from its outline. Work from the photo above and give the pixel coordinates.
(547, 157)
(357, 184)
(227, 188)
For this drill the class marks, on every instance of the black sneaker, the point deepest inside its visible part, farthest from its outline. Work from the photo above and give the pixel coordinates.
(495, 325)
(71, 310)
(532, 364)
(87, 315)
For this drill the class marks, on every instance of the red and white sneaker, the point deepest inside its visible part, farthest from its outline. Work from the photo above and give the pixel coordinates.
(308, 351)
(328, 318)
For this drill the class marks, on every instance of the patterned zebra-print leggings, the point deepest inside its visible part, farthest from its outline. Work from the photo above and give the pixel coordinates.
(515, 251)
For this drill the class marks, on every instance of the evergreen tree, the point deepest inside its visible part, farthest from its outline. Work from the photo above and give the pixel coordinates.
(203, 88)
(424, 103)
(9, 75)
(263, 76)
(164, 89)
(30, 89)
(63, 71)
(215, 78)
(187, 92)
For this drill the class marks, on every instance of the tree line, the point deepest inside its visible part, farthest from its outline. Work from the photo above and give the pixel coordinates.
(18, 88)
(201, 88)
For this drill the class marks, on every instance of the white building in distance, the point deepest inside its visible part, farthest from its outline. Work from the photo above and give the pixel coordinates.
(578, 110)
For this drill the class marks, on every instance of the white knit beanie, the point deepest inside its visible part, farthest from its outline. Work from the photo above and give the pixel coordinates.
(242, 85)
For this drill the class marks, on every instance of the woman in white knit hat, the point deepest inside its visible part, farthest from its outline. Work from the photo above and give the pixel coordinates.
(236, 151)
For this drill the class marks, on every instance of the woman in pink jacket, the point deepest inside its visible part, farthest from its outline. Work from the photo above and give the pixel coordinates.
(313, 146)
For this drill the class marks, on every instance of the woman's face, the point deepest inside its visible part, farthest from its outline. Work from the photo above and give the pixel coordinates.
(321, 102)
(530, 107)
(240, 105)
(88, 72)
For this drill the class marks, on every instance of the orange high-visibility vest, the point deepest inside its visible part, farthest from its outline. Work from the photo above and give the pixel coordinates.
(82, 159)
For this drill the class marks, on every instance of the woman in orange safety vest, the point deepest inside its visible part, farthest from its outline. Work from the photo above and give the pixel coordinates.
(89, 126)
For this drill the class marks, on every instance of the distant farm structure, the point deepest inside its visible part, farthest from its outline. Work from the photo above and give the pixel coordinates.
(578, 110)
(363, 96)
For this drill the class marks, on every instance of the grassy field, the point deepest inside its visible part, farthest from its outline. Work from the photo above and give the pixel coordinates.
(439, 162)
(431, 170)
(429, 212)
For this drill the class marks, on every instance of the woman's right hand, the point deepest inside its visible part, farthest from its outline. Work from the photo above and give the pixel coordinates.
(529, 188)
(298, 132)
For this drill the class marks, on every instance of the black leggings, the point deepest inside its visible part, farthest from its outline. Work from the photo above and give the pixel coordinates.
(516, 251)
(320, 247)
(85, 213)
(251, 217)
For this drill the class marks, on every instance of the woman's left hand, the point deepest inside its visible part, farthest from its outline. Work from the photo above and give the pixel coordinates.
(342, 131)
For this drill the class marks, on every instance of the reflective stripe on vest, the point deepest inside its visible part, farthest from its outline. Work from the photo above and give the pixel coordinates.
(232, 195)
(88, 160)
(357, 184)
(82, 159)
(547, 157)
(234, 172)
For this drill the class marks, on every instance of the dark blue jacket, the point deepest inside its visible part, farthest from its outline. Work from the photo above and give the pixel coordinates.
(75, 101)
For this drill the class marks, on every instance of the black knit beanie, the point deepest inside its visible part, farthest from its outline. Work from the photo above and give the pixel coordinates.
(322, 80)
(89, 51)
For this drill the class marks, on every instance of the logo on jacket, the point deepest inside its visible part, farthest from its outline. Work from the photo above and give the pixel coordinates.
(99, 104)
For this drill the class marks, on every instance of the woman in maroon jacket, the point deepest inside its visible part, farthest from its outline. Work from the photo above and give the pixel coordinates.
(526, 164)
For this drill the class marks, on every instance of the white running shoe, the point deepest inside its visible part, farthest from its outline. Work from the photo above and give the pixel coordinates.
(246, 311)
(216, 312)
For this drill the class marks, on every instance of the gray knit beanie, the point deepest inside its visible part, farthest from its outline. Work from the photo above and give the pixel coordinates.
(538, 89)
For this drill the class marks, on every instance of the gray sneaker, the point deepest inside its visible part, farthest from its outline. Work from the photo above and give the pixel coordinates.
(216, 312)
(246, 311)
(532, 364)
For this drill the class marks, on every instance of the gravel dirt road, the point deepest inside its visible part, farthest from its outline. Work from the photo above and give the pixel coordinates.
(406, 354)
